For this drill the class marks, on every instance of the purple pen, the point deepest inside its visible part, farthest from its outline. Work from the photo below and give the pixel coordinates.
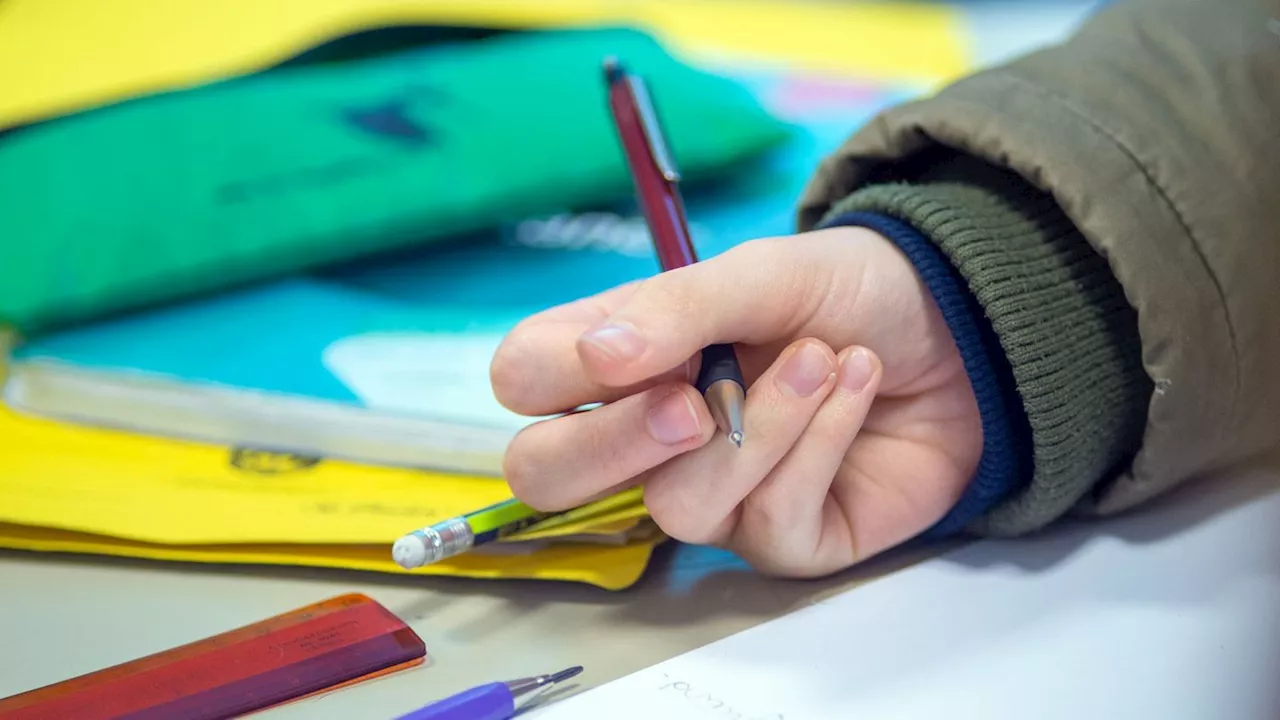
(495, 701)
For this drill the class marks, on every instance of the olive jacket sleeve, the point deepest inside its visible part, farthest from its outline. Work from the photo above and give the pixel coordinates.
(1154, 133)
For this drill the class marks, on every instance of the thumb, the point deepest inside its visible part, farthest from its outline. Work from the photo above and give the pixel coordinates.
(750, 294)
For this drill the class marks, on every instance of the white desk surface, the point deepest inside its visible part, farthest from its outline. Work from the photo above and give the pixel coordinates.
(1170, 613)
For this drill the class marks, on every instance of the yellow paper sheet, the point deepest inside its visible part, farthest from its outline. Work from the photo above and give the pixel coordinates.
(60, 56)
(606, 566)
(95, 490)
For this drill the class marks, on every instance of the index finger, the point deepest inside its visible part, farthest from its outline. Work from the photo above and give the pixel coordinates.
(753, 294)
(536, 370)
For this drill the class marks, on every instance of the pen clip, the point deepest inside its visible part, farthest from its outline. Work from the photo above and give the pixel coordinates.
(652, 134)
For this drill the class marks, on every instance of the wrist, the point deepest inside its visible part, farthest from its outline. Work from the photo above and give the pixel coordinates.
(995, 457)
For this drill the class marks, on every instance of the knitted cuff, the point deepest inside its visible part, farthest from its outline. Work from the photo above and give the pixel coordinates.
(1060, 316)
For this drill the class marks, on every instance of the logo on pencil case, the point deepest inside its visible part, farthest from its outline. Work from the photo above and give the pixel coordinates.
(388, 119)
(391, 119)
(268, 462)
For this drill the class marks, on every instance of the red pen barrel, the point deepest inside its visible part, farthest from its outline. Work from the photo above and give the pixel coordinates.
(659, 198)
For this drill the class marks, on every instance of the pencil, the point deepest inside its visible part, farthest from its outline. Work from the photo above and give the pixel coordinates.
(657, 180)
(458, 535)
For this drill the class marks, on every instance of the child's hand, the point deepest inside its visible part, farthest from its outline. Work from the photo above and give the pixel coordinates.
(861, 428)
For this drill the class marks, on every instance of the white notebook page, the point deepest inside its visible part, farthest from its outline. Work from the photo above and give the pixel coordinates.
(1172, 613)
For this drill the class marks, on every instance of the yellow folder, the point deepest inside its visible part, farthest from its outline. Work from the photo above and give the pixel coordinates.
(70, 488)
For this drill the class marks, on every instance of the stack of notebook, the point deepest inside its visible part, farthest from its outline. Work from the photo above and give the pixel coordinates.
(290, 362)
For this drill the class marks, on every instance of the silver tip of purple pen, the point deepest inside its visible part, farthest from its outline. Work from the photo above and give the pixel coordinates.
(565, 675)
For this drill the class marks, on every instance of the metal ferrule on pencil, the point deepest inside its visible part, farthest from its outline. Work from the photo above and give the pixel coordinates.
(433, 543)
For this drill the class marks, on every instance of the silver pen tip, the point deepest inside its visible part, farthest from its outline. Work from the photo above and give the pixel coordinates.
(566, 674)
(725, 400)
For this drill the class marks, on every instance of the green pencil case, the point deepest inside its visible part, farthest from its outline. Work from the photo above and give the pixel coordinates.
(186, 192)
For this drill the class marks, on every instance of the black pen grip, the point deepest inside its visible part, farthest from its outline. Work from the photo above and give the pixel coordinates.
(719, 362)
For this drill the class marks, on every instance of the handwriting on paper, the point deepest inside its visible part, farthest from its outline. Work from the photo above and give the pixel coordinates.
(708, 703)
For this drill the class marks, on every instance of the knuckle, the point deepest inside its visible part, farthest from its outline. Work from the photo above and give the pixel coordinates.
(767, 247)
(769, 512)
(523, 471)
(833, 430)
(776, 278)
(670, 294)
(507, 375)
(676, 517)
(761, 257)
(750, 251)
(770, 536)
(604, 447)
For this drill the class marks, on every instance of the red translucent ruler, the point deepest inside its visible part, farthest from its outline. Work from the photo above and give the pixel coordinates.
(319, 647)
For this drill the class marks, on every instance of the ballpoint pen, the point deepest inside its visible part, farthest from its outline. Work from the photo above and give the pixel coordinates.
(656, 182)
(495, 701)
(457, 535)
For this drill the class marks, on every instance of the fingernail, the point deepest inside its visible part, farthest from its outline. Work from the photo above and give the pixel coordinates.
(618, 342)
(805, 371)
(856, 371)
(672, 419)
